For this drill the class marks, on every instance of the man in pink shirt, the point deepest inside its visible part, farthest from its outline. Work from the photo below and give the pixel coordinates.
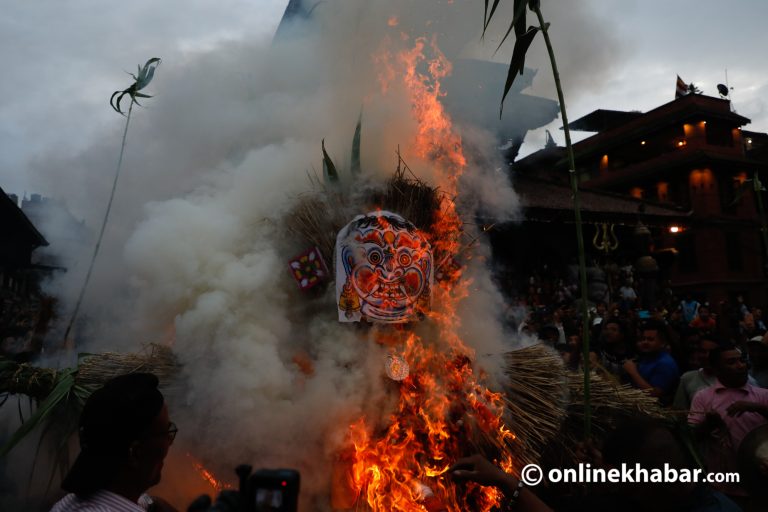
(727, 411)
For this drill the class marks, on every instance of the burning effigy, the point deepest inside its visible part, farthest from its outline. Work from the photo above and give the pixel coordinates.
(325, 326)
(399, 281)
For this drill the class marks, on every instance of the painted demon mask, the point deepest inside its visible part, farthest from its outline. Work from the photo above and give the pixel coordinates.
(383, 269)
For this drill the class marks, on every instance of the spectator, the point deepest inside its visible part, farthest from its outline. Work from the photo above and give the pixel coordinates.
(628, 296)
(757, 347)
(125, 434)
(741, 307)
(727, 411)
(693, 381)
(572, 352)
(655, 370)
(690, 308)
(757, 316)
(653, 445)
(550, 335)
(704, 321)
(747, 327)
(613, 349)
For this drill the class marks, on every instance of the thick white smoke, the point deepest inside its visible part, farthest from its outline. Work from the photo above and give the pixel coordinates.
(196, 253)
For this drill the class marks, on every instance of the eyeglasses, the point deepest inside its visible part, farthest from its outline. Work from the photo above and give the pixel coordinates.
(170, 433)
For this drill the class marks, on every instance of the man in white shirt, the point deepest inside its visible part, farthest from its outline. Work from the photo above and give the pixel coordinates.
(125, 434)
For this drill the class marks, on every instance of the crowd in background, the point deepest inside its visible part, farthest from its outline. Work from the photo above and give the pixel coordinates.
(707, 364)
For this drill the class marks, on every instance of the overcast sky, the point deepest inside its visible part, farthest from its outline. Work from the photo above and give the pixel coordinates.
(62, 60)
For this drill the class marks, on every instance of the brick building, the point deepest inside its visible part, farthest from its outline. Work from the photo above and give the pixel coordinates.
(691, 155)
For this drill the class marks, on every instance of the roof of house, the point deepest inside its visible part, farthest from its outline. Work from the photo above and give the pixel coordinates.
(602, 119)
(692, 106)
(16, 225)
(539, 196)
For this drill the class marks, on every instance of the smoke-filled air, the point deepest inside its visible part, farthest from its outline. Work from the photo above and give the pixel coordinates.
(222, 166)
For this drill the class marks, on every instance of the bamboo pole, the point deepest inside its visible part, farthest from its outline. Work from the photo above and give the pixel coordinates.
(577, 214)
(103, 227)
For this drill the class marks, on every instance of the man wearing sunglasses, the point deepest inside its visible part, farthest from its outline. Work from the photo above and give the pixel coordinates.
(125, 434)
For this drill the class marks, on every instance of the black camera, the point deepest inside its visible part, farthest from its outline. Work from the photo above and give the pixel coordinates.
(270, 490)
(266, 490)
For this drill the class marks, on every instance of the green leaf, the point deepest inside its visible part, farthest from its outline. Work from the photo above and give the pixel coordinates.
(488, 16)
(147, 73)
(329, 170)
(60, 394)
(518, 60)
(116, 104)
(516, 22)
(355, 167)
(519, 19)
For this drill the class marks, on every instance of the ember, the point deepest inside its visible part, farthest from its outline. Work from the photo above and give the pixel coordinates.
(207, 476)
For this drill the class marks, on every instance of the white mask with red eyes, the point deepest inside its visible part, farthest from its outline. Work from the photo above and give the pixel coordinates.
(384, 269)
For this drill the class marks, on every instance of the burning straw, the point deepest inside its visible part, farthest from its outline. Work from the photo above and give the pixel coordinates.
(318, 217)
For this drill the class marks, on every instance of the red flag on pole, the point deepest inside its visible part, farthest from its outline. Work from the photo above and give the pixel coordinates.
(681, 88)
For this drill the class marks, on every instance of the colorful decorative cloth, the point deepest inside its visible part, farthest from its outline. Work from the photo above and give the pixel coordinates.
(384, 270)
(309, 269)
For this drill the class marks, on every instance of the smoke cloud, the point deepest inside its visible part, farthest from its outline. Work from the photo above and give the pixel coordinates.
(196, 252)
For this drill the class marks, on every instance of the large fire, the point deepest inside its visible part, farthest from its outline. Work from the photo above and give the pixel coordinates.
(444, 411)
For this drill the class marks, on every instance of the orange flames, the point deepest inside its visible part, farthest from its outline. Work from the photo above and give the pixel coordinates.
(444, 411)
(207, 476)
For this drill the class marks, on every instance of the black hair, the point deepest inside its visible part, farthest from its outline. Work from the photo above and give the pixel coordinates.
(655, 325)
(714, 354)
(113, 418)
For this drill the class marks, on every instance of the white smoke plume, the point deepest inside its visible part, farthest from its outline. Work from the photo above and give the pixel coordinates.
(196, 254)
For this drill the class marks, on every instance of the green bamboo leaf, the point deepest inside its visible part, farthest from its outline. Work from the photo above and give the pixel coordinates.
(355, 167)
(518, 59)
(516, 21)
(59, 395)
(141, 95)
(329, 170)
(519, 19)
(146, 73)
(116, 104)
(489, 16)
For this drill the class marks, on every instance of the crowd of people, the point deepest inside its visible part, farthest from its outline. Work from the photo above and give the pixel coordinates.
(707, 364)
(707, 369)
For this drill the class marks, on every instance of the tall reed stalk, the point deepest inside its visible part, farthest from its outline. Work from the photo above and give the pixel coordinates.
(141, 80)
(524, 38)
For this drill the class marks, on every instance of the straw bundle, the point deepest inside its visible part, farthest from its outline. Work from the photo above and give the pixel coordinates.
(93, 371)
(536, 395)
(319, 216)
(409, 197)
(546, 403)
(16, 378)
(96, 369)
(62, 393)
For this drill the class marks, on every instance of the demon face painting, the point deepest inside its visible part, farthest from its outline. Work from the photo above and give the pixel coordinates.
(384, 269)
